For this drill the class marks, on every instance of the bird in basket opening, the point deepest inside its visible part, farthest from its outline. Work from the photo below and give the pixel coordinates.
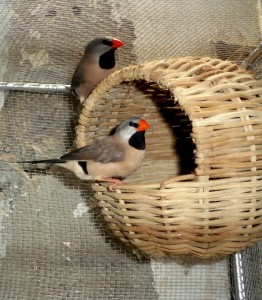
(96, 64)
(108, 159)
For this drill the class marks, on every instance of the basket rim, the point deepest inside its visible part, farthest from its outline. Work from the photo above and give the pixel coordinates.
(185, 181)
(140, 72)
(150, 73)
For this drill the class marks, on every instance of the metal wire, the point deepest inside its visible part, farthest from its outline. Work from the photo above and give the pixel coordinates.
(34, 87)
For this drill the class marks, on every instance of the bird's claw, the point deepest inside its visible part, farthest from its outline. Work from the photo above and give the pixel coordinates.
(111, 187)
(113, 183)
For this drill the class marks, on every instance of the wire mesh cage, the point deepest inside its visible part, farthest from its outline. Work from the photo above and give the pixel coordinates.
(53, 241)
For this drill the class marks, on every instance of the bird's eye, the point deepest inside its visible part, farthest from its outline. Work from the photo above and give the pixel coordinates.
(106, 42)
(133, 124)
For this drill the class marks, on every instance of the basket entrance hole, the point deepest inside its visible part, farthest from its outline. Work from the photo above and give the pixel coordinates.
(170, 149)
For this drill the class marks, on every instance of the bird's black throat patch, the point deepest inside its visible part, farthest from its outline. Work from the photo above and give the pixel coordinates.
(107, 60)
(83, 165)
(137, 140)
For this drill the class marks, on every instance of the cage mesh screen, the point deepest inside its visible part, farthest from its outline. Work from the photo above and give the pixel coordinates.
(53, 241)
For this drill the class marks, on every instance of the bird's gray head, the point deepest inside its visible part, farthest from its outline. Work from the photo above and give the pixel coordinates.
(101, 45)
(130, 126)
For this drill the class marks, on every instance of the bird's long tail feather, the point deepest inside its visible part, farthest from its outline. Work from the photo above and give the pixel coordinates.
(45, 161)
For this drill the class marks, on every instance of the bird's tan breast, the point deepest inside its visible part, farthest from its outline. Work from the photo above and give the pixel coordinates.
(92, 75)
(132, 161)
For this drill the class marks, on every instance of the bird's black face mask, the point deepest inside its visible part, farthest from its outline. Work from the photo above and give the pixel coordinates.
(107, 60)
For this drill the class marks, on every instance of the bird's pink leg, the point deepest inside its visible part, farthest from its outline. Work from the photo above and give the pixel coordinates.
(114, 182)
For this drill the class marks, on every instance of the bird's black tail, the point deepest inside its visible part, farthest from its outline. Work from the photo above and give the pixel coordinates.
(45, 161)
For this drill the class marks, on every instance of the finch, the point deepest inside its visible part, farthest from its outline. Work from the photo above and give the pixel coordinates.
(111, 158)
(96, 64)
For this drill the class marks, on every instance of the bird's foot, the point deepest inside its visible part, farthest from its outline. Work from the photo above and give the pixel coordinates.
(113, 181)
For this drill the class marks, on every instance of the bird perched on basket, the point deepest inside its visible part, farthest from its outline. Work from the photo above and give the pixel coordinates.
(96, 64)
(111, 158)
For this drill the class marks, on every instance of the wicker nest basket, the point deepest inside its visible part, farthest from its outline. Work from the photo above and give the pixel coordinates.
(199, 189)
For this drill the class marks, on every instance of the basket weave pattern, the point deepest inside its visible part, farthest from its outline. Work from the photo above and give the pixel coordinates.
(211, 209)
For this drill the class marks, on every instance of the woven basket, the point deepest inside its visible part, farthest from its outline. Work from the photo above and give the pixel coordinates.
(199, 189)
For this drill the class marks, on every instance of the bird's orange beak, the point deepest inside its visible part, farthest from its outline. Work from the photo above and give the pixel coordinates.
(116, 43)
(143, 125)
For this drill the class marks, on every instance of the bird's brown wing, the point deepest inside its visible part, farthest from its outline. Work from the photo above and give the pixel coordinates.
(105, 150)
